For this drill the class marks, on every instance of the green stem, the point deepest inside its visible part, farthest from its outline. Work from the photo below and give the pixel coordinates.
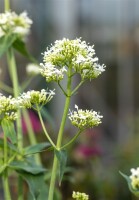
(14, 77)
(6, 88)
(77, 87)
(60, 136)
(5, 174)
(7, 5)
(44, 129)
(31, 134)
(72, 140)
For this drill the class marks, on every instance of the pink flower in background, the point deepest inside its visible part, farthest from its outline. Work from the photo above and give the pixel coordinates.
(36, 125)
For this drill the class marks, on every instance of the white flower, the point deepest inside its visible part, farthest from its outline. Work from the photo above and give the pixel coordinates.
(134, 178)
(13, 23)
(32, 69)
(80, 196)
(84, 118)
(71, 53)
(33, 98)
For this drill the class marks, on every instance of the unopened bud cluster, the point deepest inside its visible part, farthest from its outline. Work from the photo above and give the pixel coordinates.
(10, 22)
(70, 53)
(135, 178)
(80, 196)
(84, 118)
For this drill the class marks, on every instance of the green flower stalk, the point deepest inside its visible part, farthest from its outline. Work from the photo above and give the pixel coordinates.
(80, 196)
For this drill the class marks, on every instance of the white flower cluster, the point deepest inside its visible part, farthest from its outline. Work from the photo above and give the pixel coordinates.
(80, 196)
(71, 53)
(51, 73)
(10, 22)
(32, 69)
(84, 118)
(8, 108)
(135, 178)
(32, 98)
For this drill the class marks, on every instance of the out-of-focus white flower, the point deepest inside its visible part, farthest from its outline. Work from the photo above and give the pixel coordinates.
(84, 118)
(75, 54)
(32, 98)
(8, 108)
(135, 178)
(10, 22)
(80, 196)
(32, 69)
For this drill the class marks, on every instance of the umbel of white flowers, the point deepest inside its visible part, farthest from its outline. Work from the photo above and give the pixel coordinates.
(80, 196)
(134, 178)
(84, 119)
(67, 53)
(9, 106)
(10, 22)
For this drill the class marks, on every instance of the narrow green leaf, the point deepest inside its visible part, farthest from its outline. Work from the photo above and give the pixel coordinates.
(27, 167)
(20, 46)
(36, 148)
(6, 41)
(62, 158)
(37, 186)
(9, 130)
(135, 192)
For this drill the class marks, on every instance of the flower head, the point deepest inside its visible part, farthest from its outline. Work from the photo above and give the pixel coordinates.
(84, 118)
(13, 23)
(66, 53)
(80, 196)
(32, 98)
(135, 178)
(8, 108)
(32, 69)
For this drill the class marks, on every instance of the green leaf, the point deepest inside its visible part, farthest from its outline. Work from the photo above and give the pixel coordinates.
(37, 187)
(6, 41)
(135, 192)
(9, 130)
(20, 46)
(27, 167)
(36, 148)
(62, 158)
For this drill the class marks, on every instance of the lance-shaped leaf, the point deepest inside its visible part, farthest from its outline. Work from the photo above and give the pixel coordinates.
(20, 46)
(135, 192)
(37, 187)
(9, 130)
(6, 42)
(36, 148)
(62, 159)
(26, 166)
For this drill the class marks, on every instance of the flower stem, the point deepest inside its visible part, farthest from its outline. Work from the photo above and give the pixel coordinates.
(7, 5)
(60, 136)
(44, 129)
(5, 174)
(14, 77)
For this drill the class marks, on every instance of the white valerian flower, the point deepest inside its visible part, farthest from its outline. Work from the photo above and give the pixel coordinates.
(10, 22)
(134, 178)
(84, 118)
(71, 53)
(80, 196)
(32, 69)
(8, 108)
(32, 98)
